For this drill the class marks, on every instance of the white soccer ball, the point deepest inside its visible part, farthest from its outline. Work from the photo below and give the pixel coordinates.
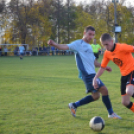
(97, 123)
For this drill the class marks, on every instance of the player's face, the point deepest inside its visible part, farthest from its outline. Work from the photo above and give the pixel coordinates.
(89, 35)
(108, 44)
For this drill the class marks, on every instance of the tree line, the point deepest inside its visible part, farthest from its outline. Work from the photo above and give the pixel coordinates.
(33, 22)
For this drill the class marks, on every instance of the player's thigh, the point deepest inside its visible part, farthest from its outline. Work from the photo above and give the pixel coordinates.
(125, 100)
(103, 90)
(130, 84)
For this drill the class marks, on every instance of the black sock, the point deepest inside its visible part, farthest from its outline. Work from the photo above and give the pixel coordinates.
(130, 105)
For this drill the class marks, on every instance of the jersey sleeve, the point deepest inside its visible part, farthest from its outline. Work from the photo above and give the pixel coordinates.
(127, 48)
(73, 46)
(105, 60)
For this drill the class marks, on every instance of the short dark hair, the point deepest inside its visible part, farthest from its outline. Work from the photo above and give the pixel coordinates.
(105, 37)
(89, 28)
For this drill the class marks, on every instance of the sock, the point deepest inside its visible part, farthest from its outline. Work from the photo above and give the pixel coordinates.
(84, 101)
(133, 95)
(107, 103)
(131, 106)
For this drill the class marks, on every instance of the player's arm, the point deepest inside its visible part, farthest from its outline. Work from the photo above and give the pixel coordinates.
(58, 46)
(103, 67)
(99, 73)
(97, 64)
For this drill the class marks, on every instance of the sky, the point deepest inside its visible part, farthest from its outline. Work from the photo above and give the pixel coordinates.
(131, 2)
(128, 2)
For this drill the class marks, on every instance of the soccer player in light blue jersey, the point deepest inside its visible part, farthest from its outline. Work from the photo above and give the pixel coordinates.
(21, 51)
(86, 63)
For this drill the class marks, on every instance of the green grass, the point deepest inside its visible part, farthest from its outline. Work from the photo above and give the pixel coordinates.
(35, 92)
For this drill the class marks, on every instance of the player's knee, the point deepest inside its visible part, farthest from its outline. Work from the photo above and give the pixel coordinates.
(103, 90)
(96, 96)
(129, 92)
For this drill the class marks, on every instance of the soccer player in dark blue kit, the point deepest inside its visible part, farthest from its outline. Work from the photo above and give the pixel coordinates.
(86, 63)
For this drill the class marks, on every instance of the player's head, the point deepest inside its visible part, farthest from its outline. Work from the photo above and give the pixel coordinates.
(107, 41)
(89, 33)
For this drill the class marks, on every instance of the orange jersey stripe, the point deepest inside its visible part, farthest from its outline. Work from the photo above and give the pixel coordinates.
(122, 57)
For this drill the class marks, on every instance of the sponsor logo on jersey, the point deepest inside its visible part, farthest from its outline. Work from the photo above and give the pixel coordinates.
(118, 62)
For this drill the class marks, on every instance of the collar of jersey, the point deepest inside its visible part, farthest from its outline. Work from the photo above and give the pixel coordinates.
(113, 47)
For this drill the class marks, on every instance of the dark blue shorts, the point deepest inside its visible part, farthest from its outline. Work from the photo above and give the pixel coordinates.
(21, 54)
(88, 83)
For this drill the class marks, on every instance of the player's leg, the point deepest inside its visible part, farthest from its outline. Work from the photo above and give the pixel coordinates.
(127, 85)
(88, 99)
(127, 103)
(130, 90)
(127, 90)
(21, 56)
(126, 98)
(106, 100)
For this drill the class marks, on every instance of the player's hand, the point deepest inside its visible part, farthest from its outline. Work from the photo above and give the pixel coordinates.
(51, 43)
(109, 69)
(95, 83)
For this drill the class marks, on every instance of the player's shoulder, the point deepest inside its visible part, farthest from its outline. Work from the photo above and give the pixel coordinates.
(106, 53)
(77, 41)
(119, 46)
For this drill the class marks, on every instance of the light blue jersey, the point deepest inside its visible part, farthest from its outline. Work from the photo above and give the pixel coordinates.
(21, 49)
(84, 56)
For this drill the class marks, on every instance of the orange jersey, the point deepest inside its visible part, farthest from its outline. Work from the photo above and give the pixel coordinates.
(122, 57)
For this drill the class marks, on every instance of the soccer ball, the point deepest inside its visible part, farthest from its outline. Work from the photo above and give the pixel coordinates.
(97, 123)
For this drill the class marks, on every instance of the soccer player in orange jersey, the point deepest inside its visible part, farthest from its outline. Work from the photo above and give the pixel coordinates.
(121, 55)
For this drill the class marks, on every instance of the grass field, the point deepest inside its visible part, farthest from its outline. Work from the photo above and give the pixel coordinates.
(35, 92)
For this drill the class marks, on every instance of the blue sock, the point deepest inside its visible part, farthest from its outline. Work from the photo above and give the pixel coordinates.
(108, 104)
(84, 101)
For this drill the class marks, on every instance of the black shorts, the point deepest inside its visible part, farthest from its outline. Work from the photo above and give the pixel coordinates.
(126, 80)
(96, 55)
